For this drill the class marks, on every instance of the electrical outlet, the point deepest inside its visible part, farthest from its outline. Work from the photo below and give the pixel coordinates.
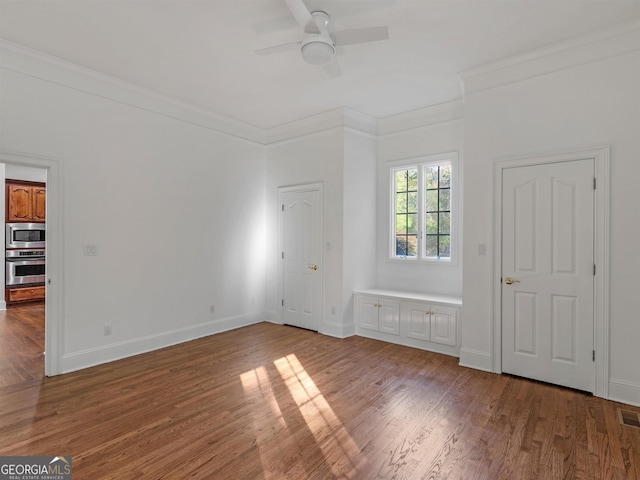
(91, 250)
(108, 329)
(212, 309)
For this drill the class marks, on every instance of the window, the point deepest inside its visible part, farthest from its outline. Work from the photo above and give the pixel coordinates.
(422, 209)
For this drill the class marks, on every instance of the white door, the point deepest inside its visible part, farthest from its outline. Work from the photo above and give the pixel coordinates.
(302, 257)
(548, 273)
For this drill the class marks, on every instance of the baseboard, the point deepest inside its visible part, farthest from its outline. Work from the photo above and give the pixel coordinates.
(476, 359)
(338, 330)
(128, 348)
(624, 392)
(3, 305)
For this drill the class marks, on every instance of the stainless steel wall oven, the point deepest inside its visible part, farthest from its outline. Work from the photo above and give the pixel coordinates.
(25, 267)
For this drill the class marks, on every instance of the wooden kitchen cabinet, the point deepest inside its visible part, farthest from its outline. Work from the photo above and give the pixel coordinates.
(26, 202)
(25, 294)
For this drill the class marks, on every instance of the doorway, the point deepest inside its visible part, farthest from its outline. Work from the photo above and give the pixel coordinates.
(551, 269)
(52, 324)
(301, 255)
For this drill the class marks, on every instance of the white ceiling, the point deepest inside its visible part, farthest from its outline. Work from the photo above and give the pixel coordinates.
(201, 52)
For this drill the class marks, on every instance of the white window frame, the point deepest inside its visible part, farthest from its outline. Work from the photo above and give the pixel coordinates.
(419, 163)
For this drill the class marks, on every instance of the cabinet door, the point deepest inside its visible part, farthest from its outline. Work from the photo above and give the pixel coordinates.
(389, 316)
(418, 321)
(19, 203)
(39, 211)
(367, 313)
(443, 325)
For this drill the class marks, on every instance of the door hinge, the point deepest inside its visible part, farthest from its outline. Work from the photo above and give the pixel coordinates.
(593, 355)
(594, 268)
(594, 183)
(283, 302)
(283, 207)
(283, 255)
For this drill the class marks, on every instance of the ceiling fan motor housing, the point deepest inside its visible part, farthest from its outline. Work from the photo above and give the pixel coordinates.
(318, 49)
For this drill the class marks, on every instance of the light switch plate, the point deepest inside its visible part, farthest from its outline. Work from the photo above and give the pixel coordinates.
(91, 250)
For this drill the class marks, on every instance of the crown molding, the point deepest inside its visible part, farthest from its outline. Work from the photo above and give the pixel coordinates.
(343, 118)
(596, 46)
(423, 117)
(26, 61)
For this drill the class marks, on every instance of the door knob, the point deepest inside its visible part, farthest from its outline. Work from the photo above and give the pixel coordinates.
(510, 280)
(313, 267)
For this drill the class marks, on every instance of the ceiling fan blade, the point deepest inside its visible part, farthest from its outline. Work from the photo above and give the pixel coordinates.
(303, 16)
(285, 47)
(361, 35)
(332, 69)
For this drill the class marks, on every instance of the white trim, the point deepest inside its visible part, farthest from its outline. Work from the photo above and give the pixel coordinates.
(596, 46)
(475, 359)
(338, 330)
(339, 118)
(128, 348)
(51, 69)
(624, 392)
(601, 248)
(54, 306)
(434, 115)
(306, 187)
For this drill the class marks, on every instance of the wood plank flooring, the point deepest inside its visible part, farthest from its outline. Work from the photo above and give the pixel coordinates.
(21, 343)
(276, 402)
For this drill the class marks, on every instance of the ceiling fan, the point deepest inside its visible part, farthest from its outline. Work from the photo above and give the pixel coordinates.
(319, 44)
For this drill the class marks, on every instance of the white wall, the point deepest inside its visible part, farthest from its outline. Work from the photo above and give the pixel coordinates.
(430, 131)
(178, 212)
(316, 158)
(360, 207)
(583, 106)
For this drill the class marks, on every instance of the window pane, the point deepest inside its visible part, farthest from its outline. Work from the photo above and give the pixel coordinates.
(445, 176)
(445, 246)
(431, 249)
(412, 179)
(445, 197)
(445, 223)
(401, 224)
(401, 203)
(412, 202)
(401, 181)
(412, 223)
(401, 246)
(412, 246)
(406, 245)
(431, 223)
(431, 176)
(432, 200)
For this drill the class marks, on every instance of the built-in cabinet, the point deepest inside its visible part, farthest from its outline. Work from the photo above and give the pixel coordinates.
(379, 314)
(25, 294)
(26, 203)
(430, 322)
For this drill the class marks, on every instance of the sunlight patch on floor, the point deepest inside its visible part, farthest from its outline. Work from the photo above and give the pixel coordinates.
(256, 384)
(325, 426)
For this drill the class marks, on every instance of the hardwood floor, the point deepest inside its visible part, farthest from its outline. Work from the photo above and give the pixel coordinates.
(21, 344)
(274, 402)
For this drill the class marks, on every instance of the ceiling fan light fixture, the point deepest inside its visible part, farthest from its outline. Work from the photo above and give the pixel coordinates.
(317, 51)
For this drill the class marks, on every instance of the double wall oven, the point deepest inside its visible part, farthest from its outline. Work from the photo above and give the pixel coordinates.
(25, 254)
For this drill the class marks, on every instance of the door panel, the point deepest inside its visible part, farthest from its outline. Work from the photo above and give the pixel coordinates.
(389, 317)
(302, 252)
(547, 240)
